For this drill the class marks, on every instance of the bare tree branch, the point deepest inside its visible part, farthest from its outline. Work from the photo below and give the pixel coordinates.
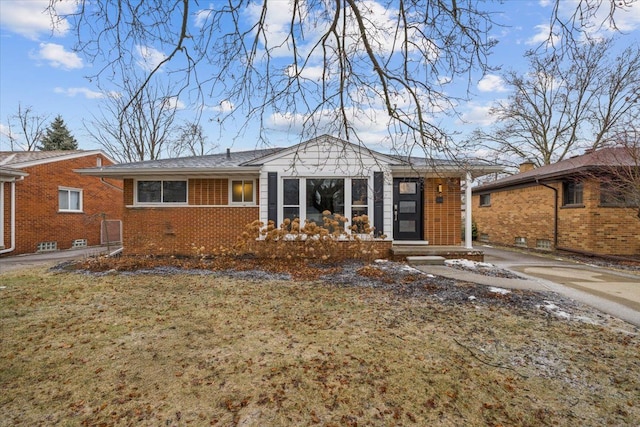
(562, 105)
(30, 129)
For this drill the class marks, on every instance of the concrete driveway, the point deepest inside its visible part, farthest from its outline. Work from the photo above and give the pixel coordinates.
(12, 263)
(611, 291)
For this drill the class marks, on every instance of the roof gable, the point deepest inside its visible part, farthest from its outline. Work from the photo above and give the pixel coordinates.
(324, 147)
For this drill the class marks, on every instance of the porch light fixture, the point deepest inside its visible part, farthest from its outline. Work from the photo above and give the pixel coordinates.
(439, 188)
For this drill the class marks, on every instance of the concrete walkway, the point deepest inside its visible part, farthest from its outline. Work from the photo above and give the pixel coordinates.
(614, 292)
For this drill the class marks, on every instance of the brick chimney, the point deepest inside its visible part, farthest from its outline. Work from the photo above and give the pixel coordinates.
(527, 166)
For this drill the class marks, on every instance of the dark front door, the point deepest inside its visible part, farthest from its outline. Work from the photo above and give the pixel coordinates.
(407, 209)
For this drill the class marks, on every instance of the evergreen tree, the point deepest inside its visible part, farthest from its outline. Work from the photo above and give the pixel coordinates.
(58, 137)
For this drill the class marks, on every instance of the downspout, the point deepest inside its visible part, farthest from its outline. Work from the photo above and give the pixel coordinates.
(555, 213)
(13, 217)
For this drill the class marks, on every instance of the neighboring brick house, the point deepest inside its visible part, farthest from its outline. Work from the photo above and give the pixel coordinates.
(45, 205)
(570, 205)
(174, 205)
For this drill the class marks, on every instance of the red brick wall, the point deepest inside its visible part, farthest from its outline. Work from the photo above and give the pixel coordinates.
(442, 221)
(178, 230)
(529, 212)
(37, 216)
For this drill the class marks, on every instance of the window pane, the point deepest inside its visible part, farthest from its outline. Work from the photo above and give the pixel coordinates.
(359, 192)
(408, 206)
(174, 191)
(149, 191)
(291, 192)
(358, 211)
(407, 188)
(63, 200)
(236, 191)
(291, 213)
(74, 200)
(573, 193)
(248, 191)
(324, 195)
(407, 226)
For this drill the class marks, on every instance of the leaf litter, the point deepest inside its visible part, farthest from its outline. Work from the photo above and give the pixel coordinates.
(349, 344)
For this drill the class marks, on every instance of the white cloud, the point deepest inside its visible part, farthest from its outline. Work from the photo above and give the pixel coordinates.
(173, 103)
(83, 91)
(492, 83)
(225, 106)
(31, 18)
(148, 57)
(477, 114)
(542, 35)
(58, 57)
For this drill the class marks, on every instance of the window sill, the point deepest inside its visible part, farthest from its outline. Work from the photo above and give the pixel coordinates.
(484, 206)
(71, 212)
(572, 206)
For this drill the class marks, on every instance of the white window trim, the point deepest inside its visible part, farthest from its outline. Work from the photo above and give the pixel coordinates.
(243, 203)
(302, 182)
(160, 203)
(69, 190)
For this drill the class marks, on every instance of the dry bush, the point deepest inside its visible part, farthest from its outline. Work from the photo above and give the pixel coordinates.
(327, 242)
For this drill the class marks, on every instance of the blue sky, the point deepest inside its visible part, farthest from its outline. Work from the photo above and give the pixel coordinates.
(39, 69)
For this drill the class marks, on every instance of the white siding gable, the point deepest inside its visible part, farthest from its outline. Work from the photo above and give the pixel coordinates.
(327, 157)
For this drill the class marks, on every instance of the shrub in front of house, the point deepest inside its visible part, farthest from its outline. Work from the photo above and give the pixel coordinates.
(331, 240)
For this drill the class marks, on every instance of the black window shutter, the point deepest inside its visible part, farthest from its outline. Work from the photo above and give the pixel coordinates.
(378, 203)
(272, 197)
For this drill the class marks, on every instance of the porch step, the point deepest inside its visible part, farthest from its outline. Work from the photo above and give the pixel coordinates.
(426, 260)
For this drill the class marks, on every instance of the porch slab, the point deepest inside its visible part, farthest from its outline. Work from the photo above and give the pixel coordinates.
(426, 260)
(400, 251)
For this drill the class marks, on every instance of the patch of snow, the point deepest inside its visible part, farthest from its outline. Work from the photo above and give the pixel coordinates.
(430, 276)
(555, 310)
(380, 261)
(500, 291)
(472, 298)
(3, 287)
(472, 265)
(410, 269)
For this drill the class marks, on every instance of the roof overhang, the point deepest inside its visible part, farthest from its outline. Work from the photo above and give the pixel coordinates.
(10, 175)
(123, 173)
(435, 170)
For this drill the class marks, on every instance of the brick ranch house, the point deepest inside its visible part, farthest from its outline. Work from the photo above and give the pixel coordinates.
(45, 205)
(174, 205)
(572, 205)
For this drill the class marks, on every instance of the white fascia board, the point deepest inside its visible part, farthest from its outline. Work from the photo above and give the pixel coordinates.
(446, 170)
(191, 172)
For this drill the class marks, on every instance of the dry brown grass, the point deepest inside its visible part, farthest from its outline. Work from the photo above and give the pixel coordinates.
(200, 350)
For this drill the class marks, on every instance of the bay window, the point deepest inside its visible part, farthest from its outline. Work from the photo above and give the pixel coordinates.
(308, 198)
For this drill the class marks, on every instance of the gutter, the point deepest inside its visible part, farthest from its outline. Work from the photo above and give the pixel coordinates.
(555, 213)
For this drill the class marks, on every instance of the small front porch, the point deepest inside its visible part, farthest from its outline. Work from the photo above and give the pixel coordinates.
(400, 250)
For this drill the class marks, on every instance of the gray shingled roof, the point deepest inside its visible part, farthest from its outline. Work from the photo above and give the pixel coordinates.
(211, 161)
(252, 161)
(15, 158)
(604, 158)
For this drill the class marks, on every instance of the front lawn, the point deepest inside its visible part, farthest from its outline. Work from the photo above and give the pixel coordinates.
(200, 349)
